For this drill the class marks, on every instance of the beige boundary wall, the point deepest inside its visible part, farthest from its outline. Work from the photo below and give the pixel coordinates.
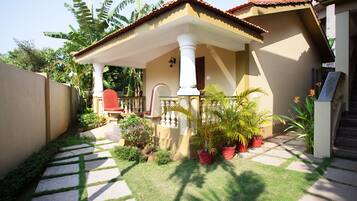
(34, 110)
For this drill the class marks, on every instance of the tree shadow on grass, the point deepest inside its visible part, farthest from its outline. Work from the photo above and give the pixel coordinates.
(188, 172)
(245, 186)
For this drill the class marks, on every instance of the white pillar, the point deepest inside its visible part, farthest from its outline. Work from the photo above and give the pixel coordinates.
(98, 79)
(188, 82)
(322, 129)
(343, 48)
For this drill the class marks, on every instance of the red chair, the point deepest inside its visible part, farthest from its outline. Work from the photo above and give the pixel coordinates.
(111, 102)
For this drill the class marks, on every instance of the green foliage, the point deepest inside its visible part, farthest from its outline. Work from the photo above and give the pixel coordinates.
(27, 57)
(91, 120)
(238, 118)
(302, 120)
(163, 157)
(32, 168)
(93, 25)
(136, 130)
(128, 153)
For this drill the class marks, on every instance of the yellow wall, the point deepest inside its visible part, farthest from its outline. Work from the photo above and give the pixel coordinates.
(282, 65)
(60, 108)
(23, 114)
(220, 69)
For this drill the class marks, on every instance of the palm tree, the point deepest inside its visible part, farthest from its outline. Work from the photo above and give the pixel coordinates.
(93, 25)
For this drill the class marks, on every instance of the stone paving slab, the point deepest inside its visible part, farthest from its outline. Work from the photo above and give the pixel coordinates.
(75, 152)
(111, 190)
(103, 154)
(276, 140)
(245, 155)
(103, 163)
(58, 183)
(68, 160)
(285, 137)
(333, 190)
(269, 160)
(108, 146)
(342, 176)
(344, 164)
(257, 150)
(100, 142)
(61, 169)
(300, 166)
(102, 175)
(279, 153)
(310, 158)
(269, 145)
(296, 142)
(75, 147)
(72, 195)
(309, 197)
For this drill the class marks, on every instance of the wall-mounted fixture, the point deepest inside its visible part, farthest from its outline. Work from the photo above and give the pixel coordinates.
(172, 61)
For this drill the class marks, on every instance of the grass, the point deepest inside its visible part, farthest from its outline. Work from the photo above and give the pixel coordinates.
(225, 180)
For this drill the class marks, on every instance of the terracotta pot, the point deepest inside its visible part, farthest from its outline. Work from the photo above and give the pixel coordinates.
(257, 141)
(242, 148)
(228, 152)
(204, 157)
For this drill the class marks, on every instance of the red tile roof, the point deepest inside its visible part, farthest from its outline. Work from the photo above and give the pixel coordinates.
(165, 8)
(266, 3)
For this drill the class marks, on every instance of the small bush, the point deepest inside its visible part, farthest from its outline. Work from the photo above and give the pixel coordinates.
(136, 130)
(163, 157)
(91, 120)
(128, 153)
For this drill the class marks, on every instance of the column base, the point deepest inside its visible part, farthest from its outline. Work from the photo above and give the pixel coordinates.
(188, 92)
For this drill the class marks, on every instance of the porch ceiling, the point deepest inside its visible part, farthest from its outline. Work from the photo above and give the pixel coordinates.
(155, 37)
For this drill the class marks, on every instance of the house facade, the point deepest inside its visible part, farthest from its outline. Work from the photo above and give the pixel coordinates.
(189, 44)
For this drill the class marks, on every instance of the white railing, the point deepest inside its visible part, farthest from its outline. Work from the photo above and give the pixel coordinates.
(169, 118)
(205, 106)
(327, 114)
(131, 105)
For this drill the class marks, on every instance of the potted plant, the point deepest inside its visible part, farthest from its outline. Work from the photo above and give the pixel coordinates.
(204, 140)
(234, 118)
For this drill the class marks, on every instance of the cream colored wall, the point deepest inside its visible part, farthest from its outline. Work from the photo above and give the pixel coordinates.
(282, 65)
(220, 69)
(23, 114)
(60, 108)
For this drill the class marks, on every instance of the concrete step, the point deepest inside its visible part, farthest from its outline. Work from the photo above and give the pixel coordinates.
(348, 141)
(347, 131)
(349, 121)
(345, 152)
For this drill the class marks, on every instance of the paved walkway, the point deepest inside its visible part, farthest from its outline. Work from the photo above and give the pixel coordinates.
(83, 171)
(339, 182)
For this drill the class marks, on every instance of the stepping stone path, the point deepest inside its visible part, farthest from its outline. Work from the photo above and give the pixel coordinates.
(339, 182)
(92, 162)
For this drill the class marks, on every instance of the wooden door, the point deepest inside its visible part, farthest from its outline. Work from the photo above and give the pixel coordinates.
(200, 73)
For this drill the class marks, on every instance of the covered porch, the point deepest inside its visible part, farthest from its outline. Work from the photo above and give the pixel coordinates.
(184, 46)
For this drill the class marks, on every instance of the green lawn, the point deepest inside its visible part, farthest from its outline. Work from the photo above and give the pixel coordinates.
(238, 179)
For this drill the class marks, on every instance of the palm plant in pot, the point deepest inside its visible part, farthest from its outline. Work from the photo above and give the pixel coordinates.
(205, 137)
(234, 117)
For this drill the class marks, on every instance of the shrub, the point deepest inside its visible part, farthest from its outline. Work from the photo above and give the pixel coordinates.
(163, 157)
(302, 120)
(128, 153)
(91, 120)
(136, 130)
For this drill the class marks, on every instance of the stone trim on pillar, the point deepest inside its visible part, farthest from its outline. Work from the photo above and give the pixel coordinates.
(188, 82)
